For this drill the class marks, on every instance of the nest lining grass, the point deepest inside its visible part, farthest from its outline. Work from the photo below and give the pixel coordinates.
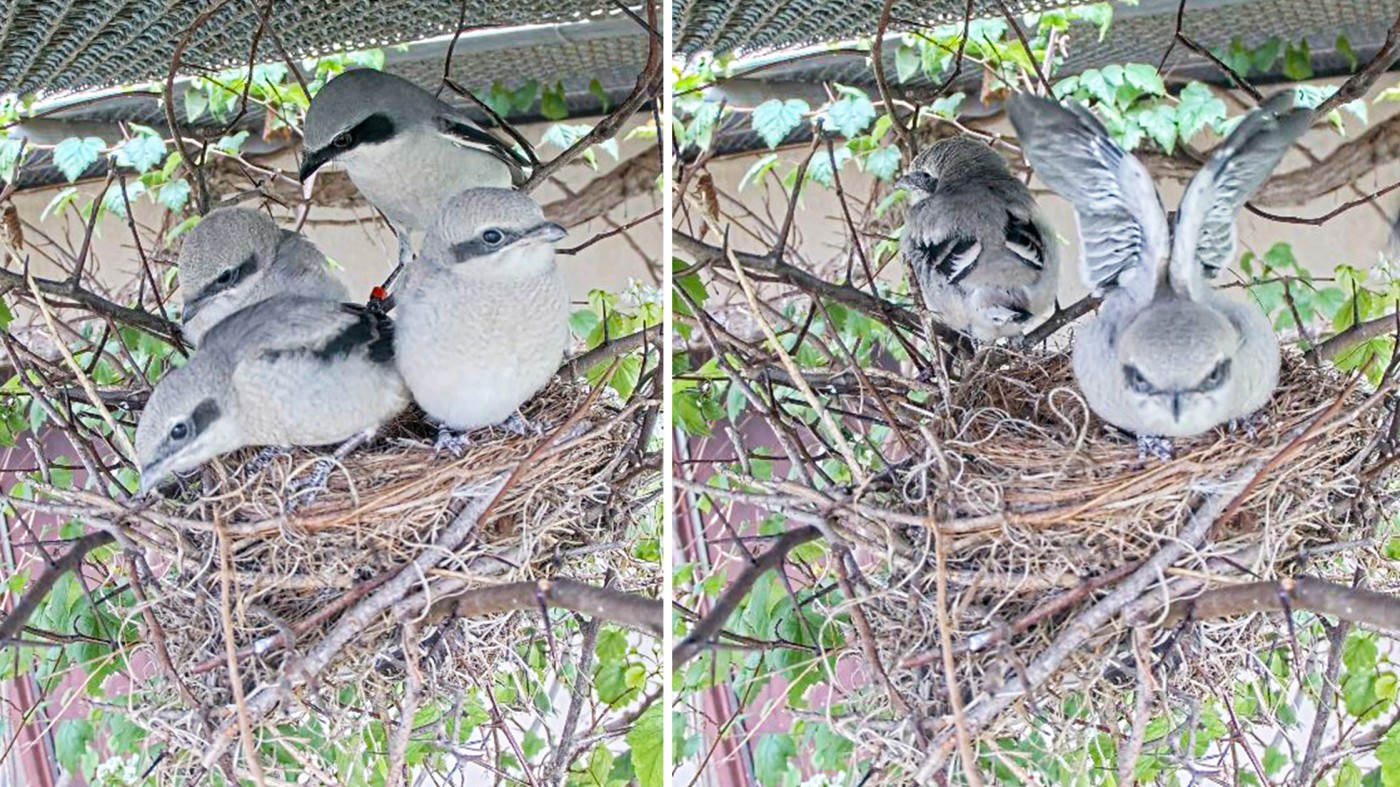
(566, 514)
(1037, 498)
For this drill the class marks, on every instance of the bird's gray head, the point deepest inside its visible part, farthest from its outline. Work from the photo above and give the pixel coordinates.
(362, 107)
(497, 230)
(186, 422)
(1175, 360)
(222, 259)
(958, 157)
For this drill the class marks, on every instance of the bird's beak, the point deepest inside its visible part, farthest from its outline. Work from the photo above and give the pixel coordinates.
(312, 161)
(548, 232)
(191, 308)
(905, 182)
(1176, 407)
(151, 477)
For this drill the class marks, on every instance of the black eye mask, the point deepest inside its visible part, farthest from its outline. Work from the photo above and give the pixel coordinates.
(227, 279)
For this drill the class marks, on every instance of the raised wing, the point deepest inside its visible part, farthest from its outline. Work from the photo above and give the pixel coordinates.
(1205, 234)
(1122, 227)
(464, 132)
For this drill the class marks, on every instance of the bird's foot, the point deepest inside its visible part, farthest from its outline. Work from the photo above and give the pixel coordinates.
(1150, 446)
(453, 442)
(1250, 424)
(517, 425)
(262, 459)
(305, 490)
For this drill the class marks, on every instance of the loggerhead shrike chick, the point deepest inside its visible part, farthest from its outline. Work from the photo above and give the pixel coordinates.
(287, 371)
(482, 318)
(1168, 355)
(404, 149)
(985, 261)
(236, 257)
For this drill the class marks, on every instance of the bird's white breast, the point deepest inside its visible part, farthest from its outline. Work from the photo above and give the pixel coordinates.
(410, 176)
(473, 348)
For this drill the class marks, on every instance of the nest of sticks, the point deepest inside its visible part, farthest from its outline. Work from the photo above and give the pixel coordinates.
(227, 557)
(1058, 541)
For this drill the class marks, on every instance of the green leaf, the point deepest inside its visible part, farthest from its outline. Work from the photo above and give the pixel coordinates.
(74, 155)
(1262, 58)
(1145, 78)
(771, 756)
(849, 116)
(196, 103)
(1297, 62)
(1274, 760)
(71, 742)
(645, 739)
(1344, 46)
(65, 197)
(883, 163)
(596, 88)
(906, 62)
(774, 119)
(141, 153)
(1388, 753)
(174, 195)
(1198, 108)
(7, 317)
(759, 169)
(553, 104)
(1160, 124)
(947, 106)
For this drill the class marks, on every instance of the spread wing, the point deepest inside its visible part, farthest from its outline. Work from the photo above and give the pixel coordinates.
(1122, 227)
(1205, 226)
(462, 131)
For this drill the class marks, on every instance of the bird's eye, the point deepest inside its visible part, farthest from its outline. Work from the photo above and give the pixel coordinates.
(342, 140)
(1136, 381)
(226, 277)
(179, 431)
(1217, 376)
(493, 237)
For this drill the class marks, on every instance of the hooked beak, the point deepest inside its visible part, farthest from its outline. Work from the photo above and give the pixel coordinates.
(548, 232)
(151, 477)
(312, 161)
(191, 309)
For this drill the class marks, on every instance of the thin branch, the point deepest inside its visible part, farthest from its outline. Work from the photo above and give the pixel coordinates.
(649, 337)
(42, 584)
(709, 627)
(625, 609)
(901, 132)
(1359, 83)
(1379, 611)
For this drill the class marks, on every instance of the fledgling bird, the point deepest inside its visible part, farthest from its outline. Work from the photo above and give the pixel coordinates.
(236, 257)
(482, 318)
(404, 149)
(288, 371)
(1168, 355)
(985, 261)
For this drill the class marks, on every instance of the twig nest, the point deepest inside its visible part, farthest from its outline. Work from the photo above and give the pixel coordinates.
(567, 511)
(1044, 511)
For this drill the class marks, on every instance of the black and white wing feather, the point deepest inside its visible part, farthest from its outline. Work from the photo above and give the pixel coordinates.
(462, 131)
(1122, 227)
(1205, 236)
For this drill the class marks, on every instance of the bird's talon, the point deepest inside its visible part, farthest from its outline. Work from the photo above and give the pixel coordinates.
(1154, 447)
(451, 442)
(517, 425)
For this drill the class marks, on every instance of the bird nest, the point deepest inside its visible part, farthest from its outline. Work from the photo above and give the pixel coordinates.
(562, 503)
(1058, 539)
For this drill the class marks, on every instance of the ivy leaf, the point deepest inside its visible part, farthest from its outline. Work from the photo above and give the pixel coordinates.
(774, 119)
(523, 97)
(1198, 108)
(883, 163)
(74, 155)
(596, 88)
(232, 143)
(1145, 78)
(1344, 46)
(553, 105)
(196, 103)
(141, 152)
(820, 170)
(1099, 14)
(770, 758)
(1297, 62)
(645, 740)
(1096, 84)
(1160, 124)
(759, 169)
(947, 106)
(849, 116)
(174, 195)
(1389, 755)
(1263, 57)
(497, 98)
(906, 62)
(71, 741)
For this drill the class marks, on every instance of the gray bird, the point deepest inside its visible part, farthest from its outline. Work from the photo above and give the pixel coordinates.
(405, 150)
(236, 257)
(287, 371)
(482, 318)
(1168, 355)
(974, 238)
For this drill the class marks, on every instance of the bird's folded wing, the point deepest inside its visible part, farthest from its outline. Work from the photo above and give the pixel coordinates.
(464, 132)
(1121, 222)
(951, 256)
(1205, 236)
